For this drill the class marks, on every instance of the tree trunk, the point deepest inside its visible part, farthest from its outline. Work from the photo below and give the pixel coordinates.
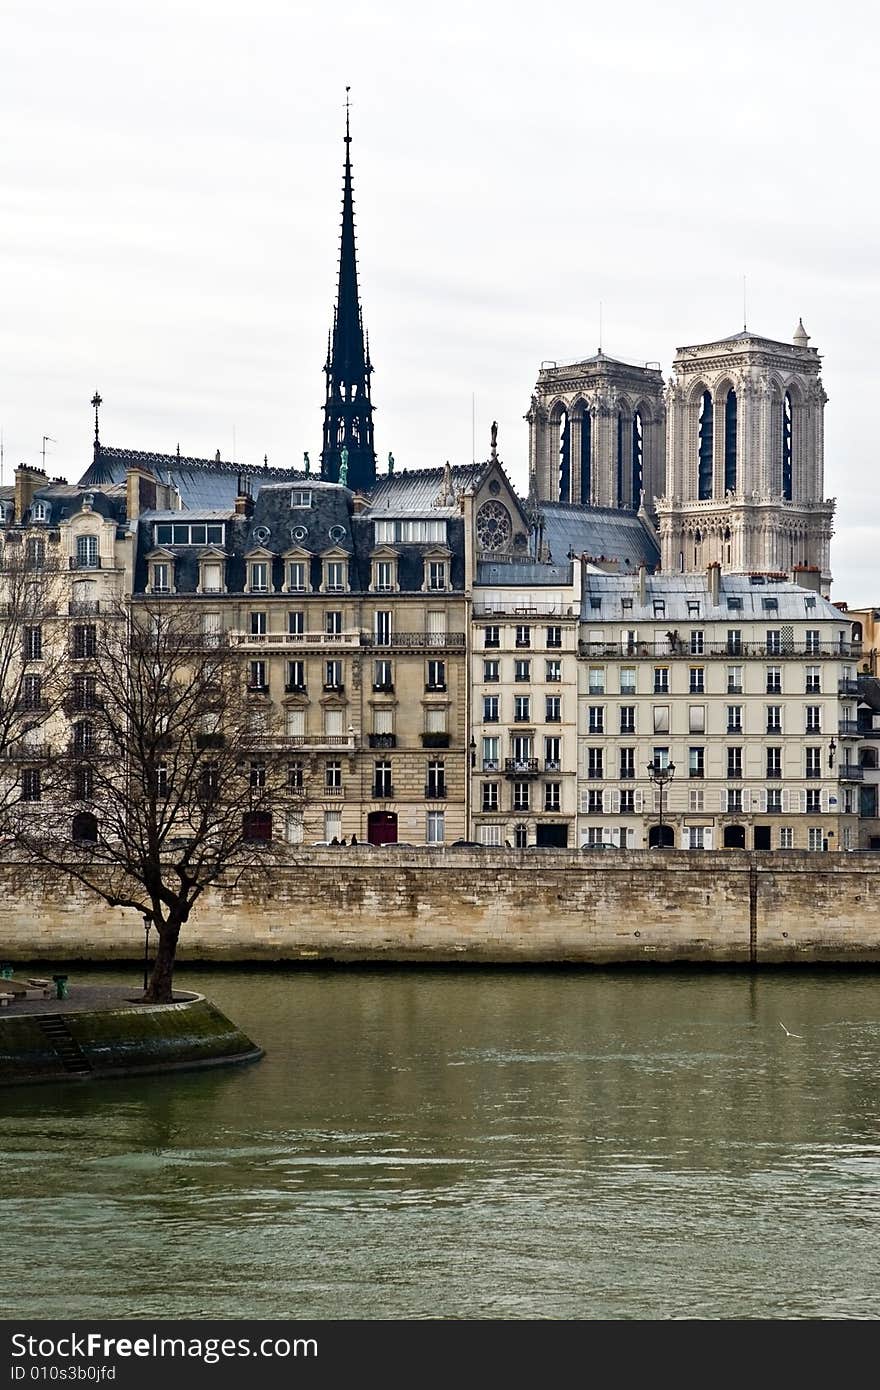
(159, 989)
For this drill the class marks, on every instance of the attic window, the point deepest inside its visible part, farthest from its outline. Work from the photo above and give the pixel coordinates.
(809, 603)
(734, 601)
(39, 511)
(595, 601)
(627, 604)
(196, 533)
(693, 609)
(770, 605)
(300, 497)
(659, 608)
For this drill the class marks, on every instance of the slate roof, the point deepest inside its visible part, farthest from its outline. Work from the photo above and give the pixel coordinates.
(600, 532)
(415, 493)
(200, 482)
(792, 601)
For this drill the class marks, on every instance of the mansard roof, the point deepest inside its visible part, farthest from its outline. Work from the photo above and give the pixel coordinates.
(200, 482)
(792, 602)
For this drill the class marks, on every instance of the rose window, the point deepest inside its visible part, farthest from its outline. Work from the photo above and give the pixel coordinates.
(493, 525)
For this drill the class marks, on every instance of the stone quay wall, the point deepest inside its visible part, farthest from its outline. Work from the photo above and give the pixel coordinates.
(487, 906)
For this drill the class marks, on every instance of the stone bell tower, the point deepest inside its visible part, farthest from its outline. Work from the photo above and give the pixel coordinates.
(745, 459)
(596, 431)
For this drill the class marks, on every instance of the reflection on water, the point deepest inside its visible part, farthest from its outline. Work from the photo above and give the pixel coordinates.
(443, 1143)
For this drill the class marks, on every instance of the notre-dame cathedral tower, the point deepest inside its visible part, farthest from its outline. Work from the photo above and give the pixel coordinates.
(745, 459)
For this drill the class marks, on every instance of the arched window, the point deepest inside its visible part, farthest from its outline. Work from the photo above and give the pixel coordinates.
(621, 454)
(85, 827)
(564, 457)
(786, 446)
(706, 444)
(730, 442)
(520, 836)
(638, 459)
(586, 457)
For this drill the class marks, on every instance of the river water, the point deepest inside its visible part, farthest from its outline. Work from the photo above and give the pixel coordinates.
(468, 1144)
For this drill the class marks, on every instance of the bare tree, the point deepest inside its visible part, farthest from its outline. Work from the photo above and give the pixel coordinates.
(158, 793)
(32, 664)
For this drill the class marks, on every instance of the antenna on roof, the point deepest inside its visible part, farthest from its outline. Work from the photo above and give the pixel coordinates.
(745, 315)
(600, 327)
(47, 439)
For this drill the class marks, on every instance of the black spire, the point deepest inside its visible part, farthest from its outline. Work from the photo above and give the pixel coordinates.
(348, 411)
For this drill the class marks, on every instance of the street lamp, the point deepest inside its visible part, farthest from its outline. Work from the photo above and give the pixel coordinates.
(660, 773)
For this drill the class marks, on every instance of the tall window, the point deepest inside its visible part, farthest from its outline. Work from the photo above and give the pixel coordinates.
(33, 644)
(296, 576)
(436, 783)
(382, 627)
(30, 784)
(335, 572)
(435, 828)
(259, 577)
(554, 637)
(706, 444)
(436, 678)
(586, 457)
(296, 676)
(637, 459)
(87, 552)
(382, 779)
(491, 637)
(490, 709)
(787, 447)
(730, 442)
(522, 709)
(552, 709)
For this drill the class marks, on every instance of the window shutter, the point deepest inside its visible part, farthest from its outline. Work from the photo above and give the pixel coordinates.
(686, 837)
(639, 801)
(707, 838)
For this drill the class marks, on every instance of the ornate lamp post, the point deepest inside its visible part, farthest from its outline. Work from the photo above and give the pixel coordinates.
(660, 774)
(148, 922)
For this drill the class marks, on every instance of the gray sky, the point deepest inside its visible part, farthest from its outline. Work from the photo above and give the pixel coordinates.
(170, 182)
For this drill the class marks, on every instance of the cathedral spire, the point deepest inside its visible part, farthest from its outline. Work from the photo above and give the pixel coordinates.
(348, 411)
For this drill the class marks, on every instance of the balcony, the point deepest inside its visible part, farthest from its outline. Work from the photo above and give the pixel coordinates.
(295, 688)
(734, 689)
(628, 774)
(849, 728)
(849, 773)
(521, 767)
(308, 743)
(332, 791)
(436, 687)
(435, 792)
(680, 651)
(77, 562)
(772, 729)
(491, 765)
(258, 689)
(383, 688)
(416, 640)
(773, 774)
(383, 740)
(734, 773)
(295, 640)
(848, 687)
(553, 765)
(695, 772)
(435, 740)
(27, 752)
(334, 687)
(83, 608)
(813, 774)
(383, 791)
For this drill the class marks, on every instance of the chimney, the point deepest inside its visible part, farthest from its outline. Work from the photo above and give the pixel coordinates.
(713, 574)
(359, 503)
(27, 480)
(140, 492)
(808, 577)
(244, 503)
(643, 585)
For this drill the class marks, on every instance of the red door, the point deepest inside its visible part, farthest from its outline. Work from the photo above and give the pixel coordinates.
(382, 827)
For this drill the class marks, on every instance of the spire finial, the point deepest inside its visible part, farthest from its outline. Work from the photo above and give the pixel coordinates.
(347, 110)
(97, 403)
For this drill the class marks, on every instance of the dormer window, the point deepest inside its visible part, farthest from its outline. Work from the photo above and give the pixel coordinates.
(87, 553)
(39, 511)
(161, 577)
(211, 576)
(297, 576)
(437, 571)
(300, 497)
(258, 577)
(335, 576)
(384, 576)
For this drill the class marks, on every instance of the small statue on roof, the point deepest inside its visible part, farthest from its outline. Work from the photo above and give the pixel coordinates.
(343, 466)
(306, 463)
(493, 435)
(390, 464)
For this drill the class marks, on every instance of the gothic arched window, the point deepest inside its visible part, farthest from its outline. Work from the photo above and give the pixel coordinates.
(638, 458)
(564, 458)
(586, 457)
(786, 446)
(706, 444)
(730, 442)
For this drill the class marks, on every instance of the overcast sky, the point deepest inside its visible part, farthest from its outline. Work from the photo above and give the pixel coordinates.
(170, 182)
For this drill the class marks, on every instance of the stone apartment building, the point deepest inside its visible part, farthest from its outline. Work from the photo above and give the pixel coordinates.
(745, 685)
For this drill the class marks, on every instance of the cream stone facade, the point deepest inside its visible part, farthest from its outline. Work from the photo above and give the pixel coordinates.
(745, 460)
(747, 686)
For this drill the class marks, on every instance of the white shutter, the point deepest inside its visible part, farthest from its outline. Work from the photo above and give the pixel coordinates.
(585, 801)
(614, 802)
(686, 837)
(639, 801)
(615, 836)
(333, 722)
(296, 723)
(707, 837)
(630, 837)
